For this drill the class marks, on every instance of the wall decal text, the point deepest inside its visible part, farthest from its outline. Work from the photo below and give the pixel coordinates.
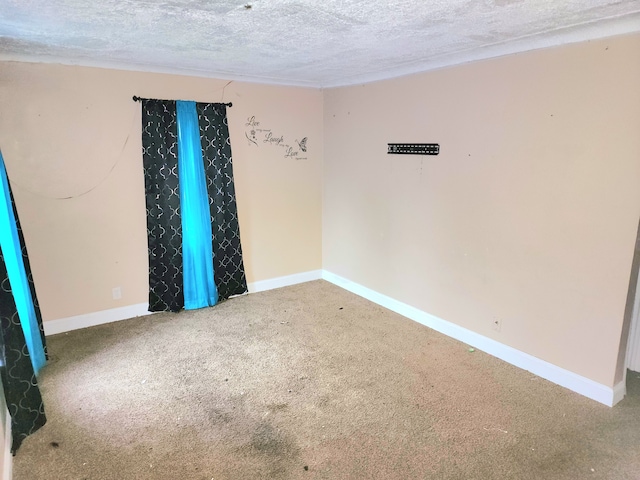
(259, 136)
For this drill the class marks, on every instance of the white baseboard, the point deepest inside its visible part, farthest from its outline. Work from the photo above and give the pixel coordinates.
(285, 281)
(619, 391)
(579, 384)
(61, 325)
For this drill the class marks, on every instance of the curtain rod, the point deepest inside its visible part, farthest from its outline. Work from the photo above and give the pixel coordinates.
(139, 99)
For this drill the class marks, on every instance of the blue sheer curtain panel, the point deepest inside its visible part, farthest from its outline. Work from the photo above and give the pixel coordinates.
(12, 254)
(197, 252)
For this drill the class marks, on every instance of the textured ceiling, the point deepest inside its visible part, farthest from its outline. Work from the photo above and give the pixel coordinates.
(298, 42)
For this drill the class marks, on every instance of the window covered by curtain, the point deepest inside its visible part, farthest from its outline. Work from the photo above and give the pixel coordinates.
(195, 256)
(22, 339)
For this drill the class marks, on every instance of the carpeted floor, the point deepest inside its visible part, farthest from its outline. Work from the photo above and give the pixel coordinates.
(310, 382)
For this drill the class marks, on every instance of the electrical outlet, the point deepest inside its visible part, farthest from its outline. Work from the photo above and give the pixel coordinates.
(497, 324)
(117, 293)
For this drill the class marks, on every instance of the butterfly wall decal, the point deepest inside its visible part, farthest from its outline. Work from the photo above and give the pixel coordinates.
(302, 144)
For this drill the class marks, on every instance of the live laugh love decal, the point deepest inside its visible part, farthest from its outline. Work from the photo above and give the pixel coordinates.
(258, 135)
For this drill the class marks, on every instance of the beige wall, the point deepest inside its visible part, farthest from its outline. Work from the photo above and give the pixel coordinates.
(529, 213)
(62, 130)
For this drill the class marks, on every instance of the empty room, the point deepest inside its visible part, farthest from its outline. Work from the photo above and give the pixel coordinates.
(288, 239)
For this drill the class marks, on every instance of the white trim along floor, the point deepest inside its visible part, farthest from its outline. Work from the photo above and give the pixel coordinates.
(601, 393)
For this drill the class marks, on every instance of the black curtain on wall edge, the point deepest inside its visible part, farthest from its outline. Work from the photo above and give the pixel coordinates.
(19, 382)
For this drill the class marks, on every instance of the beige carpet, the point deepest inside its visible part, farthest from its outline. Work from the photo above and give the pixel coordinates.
(310, 382)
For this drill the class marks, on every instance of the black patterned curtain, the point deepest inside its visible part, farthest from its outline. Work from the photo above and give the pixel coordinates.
(164, 229)
(19, 382)
(228, 269)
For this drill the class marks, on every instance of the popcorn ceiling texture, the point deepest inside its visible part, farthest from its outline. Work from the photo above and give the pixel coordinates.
(298, 42)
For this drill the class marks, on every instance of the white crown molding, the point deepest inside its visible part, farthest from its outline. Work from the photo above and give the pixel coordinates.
(146, 68)
(602, 28)
(612, 27)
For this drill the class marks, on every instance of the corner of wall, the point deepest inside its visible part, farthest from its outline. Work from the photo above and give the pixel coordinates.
(6, 459)
(619, 392)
